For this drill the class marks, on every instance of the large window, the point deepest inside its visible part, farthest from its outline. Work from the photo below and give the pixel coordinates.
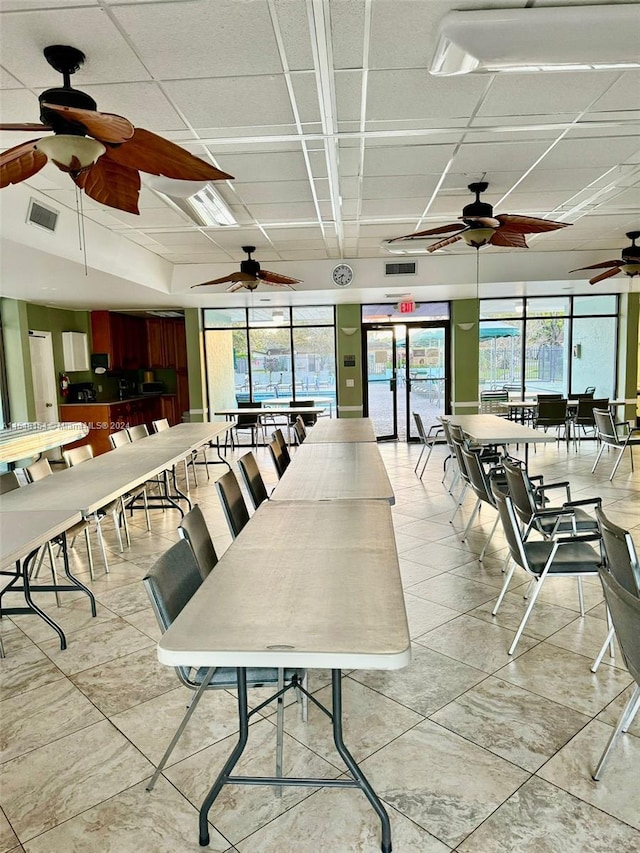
(260, 354)
(549, 344)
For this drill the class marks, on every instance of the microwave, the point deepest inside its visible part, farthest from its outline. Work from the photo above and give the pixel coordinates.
(152, 387)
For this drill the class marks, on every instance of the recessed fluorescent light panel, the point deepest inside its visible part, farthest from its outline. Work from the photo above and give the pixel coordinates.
(211, 207)
(567, 38)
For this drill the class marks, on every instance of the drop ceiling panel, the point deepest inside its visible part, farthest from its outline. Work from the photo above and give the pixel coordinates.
(543, 179)
(305, 91)
(271, 192)
(404, 186)
(224, 38)
(195, 239)
(406, 160)
(109, 58)
(347, 32)
(144, 104)
(479, 157)
(414, 94)
(297, 211)
(349, 97)
(623, 95)
(605, 152)
(270, 166)
(234, 101)
(393, 207)
(294, 235)
(293, 24)
(543, 94)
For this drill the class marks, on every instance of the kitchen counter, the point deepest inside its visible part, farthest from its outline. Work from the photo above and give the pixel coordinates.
(105, 418)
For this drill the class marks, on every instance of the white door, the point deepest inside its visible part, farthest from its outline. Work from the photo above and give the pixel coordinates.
(44, 377)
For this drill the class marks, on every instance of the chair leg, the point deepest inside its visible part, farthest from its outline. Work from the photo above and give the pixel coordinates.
(54, 573)
(618, 460)
(125, 523)
(87, 540)
(116, 523)
(471, 519)
(146, 509)
(527, 612)
(580, 596)
(101, 543)
(627, 715)
(488, 542)
(415, 470)
(608, 642)
(598, 457)
(459, 503)
(505, 586)
(174, 740)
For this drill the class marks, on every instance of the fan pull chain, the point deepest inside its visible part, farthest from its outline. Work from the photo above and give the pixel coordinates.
(478, 276)
(81, 234)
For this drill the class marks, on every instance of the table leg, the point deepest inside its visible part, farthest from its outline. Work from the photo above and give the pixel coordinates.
(356, 772)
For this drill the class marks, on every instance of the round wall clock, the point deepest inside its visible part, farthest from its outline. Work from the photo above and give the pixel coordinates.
(342, 275)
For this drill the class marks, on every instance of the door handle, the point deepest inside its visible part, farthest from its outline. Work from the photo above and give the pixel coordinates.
(392, 385)
(409, 385)
(48, 405)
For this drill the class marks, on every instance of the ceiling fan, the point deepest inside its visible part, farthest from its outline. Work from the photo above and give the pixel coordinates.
(629, 262)
(250, 275)
(480, 227)
(103, 153)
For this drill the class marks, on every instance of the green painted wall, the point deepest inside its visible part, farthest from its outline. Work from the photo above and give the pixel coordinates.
(464, 356)
(15, 330)
(195, 365)
(629, 352)
(349, 396)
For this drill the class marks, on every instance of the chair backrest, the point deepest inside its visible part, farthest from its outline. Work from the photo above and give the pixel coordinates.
(235, 509)
(300, 429)
(77, 455)
(457, 443)
(138, 431)
(446, 428)
(551, 412)
(586, 405)
(39, 470)
(247, 420)
(478, 477)
(490, 402)
(160, 425)
(170, 584)
(119, 439)
(622, 559)
(309, 420)
(606, 427)
(253, 479)
(548, 397)
(520, 490)
(277, 435)
(194, 529)
(9, 482)
(589, 391)
(624, 608)
(278, 458)
(510, 526)
(417, 417)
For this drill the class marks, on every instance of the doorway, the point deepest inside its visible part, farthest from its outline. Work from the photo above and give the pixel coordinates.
(43, 372)
(406, 371)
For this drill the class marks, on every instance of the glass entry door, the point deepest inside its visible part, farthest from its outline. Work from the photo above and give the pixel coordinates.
(406, 372)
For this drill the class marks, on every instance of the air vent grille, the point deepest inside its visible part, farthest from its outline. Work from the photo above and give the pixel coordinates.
(43, 217)
(404, 268)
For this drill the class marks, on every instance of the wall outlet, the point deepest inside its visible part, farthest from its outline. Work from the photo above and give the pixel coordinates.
(350, 383)
(99, 388)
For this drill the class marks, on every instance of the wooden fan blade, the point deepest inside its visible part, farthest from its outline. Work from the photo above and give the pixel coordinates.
(150, 153)
(26, 126)
(235, 277)
(442, 229)
(447, 242)
(19, 163)
(529, 224)
(275, 278)
(600, 266)
(106, 127)
(507, 237)
(603, 275)
(111, 184)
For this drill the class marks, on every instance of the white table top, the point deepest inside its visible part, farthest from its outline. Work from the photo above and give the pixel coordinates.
(329, 472)
(284, 401)
(490, 429)
(303, 585)
(22, 532)
(341, 430)
(98, 481)
(21, 441)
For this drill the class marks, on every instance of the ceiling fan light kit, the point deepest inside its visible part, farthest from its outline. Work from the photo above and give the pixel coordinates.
(250, 275)
(71, 153)
(628, 263)
(566, 38)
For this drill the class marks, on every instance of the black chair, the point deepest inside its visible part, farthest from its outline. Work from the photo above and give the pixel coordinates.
(589, 391)
(618, 435)
(583, 417)
(427, 439)
(278, 458)
(170, 584)
(545, 396)
(563, 556)
(624, 607)
(194, 529)
(480, 481)
(622, 561)
(299, 430)
(278, 435)
(308, 420)
(253, 479)
(235, 509)
(552, 412)
(252, 422)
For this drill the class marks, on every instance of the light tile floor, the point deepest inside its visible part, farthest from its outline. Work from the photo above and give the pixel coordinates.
(470, 750)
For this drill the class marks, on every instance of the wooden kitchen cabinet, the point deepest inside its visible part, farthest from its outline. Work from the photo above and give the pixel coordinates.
(180, 345)
(155, 344)
(169, 409)
(122, 336)
(105, 418)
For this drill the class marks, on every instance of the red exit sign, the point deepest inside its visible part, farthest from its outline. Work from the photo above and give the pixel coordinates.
(406, 307)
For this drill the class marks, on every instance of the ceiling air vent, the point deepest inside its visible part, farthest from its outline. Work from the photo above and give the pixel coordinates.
(405, 268)
(43, 217)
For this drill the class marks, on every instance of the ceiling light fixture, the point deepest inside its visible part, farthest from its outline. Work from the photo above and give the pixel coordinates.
(201, 202)
(71, 153)
(277, 316)
(566, 38)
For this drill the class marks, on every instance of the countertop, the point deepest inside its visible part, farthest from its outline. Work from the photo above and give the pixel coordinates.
(117, 402)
